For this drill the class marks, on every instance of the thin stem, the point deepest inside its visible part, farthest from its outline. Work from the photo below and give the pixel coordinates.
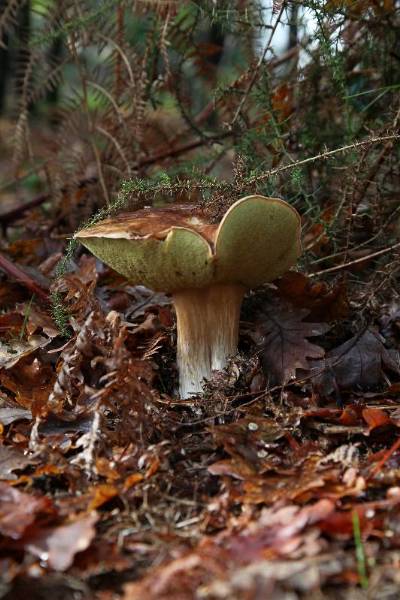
(22, 278)
(257, 67)
(322, 155)
(357, 260)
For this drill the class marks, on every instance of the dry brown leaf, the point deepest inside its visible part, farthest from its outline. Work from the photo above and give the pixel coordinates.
(13, 351)
(326, 303)
(212, 565)
(58, 545)
(12, 460)
(281, 335)
(359, 362)
(19, 510)
(376, 418)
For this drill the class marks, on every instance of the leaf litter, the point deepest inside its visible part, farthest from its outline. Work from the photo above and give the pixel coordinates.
(237, 492)
(112, 488)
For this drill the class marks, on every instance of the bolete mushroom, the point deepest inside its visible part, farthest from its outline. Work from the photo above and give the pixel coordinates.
(206, 267)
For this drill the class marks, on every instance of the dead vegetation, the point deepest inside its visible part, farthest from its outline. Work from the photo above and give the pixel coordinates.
(282, 479)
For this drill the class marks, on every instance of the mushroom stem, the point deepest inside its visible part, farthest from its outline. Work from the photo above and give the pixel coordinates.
(208, 330)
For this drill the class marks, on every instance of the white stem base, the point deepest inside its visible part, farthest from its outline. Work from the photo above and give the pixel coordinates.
(208, 329)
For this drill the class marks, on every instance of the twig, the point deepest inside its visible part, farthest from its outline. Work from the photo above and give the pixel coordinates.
(175, 152)
(380, 160)
(257, 67)
(15, 180)
(22, 208)
(19, 210)
(322, 155)
(206, 112)
(362, 244)
(357, 260)
(22, 277)
(385, 458)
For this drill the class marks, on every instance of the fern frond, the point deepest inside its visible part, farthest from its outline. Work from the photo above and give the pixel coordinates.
(8, 19)
(21, 136)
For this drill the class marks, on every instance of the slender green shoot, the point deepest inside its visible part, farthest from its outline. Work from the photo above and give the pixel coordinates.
(360, 552)
(26, 317)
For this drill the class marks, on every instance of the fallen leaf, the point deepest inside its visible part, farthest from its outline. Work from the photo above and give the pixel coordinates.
(298, 485)
(11, 323)
(281, 335)
(324, 302)
(358, 362)
(375, 418)
(58, 545)
(276, 529)
(9, 414)
(212, 566)
(12, 460)
(132, 480)
(37, 319)
(103, 556)
(246, 441)
(14, 350)
(19, 510)
(101, 494)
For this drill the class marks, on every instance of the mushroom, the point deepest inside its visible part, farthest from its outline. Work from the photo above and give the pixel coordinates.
(206, 267)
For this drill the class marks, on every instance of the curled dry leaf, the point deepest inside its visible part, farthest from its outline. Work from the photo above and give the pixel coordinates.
(38, 319)
(12, 352)
(9, 414)
(376, 419)
(58, 545)
(12, 460)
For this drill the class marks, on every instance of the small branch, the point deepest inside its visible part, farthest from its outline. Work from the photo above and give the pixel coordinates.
(356, 261)
(23, 278)
(385, 458)
(207, 111)
(19, 210)
(14, 213)
(380, 160)
(362, 244)
(179, 150)
(322, 155)
(257, 67)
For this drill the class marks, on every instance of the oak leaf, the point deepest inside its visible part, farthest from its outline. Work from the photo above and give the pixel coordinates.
(358, 362)
(281, 335)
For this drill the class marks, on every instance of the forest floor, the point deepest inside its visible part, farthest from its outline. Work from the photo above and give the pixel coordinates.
(281, 481)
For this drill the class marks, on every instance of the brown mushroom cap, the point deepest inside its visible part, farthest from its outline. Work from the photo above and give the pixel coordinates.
(174, 248)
